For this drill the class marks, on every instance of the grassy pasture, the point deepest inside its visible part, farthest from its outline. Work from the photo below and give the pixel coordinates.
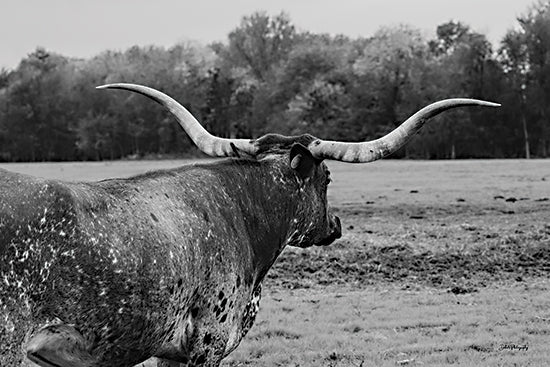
(387, 325)
(441, 263)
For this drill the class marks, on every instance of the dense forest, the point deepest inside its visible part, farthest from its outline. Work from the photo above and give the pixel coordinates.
(269, 77)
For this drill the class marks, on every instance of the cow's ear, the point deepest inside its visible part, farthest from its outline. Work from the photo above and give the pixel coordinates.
(302, 161)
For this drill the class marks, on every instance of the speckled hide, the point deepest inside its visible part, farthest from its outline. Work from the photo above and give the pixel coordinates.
(165, 264)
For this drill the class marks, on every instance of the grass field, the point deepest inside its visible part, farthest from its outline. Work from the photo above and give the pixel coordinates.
(441, 263)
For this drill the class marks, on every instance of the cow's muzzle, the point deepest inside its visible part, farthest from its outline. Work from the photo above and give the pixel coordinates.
(335, 231)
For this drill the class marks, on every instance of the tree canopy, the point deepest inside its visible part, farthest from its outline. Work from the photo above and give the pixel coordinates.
(270, 77)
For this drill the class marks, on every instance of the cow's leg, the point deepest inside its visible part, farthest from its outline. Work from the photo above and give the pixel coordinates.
(168, 363)
(58, 345)
(151, 362)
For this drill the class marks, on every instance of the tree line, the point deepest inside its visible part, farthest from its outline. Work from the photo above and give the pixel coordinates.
(269, 77)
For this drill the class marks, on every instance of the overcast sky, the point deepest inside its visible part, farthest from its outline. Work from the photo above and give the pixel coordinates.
(83, 28)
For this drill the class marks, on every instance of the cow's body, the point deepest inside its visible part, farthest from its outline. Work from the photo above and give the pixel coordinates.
(164, 264)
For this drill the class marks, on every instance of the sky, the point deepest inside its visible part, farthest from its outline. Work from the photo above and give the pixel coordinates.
(84, 28)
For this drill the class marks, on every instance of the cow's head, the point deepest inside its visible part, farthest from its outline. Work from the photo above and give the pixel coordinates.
(314, 224)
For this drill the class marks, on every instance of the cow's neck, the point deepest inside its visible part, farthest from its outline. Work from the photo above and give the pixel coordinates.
(266, 195)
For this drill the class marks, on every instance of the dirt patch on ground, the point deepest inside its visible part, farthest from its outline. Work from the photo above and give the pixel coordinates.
(461, 249)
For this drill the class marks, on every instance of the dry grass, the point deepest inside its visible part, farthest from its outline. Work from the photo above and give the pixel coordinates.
(91, 171)
(441, 263)
(388, 326)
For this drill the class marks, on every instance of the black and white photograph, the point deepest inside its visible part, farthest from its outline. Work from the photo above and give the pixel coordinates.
(274, 183)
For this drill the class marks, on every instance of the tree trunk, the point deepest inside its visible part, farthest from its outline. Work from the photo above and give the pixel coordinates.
(544, 134)
(452, 140)
(525, 132)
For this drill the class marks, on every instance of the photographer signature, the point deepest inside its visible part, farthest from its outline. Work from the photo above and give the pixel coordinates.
(524, 347)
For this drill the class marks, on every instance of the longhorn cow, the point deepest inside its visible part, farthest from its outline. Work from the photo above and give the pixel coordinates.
(168, 263)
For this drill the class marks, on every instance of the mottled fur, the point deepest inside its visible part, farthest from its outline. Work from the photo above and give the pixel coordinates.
(164, 264)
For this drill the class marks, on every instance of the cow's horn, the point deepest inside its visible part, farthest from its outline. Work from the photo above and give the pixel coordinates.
(209, 144)
(375, 149)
